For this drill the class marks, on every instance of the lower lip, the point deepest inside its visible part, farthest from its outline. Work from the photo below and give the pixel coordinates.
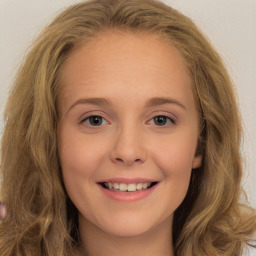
(127, 196)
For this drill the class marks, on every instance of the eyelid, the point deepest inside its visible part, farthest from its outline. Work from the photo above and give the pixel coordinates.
(92, 113)
(171, 116)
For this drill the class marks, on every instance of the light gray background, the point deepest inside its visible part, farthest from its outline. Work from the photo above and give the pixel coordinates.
(229, 24)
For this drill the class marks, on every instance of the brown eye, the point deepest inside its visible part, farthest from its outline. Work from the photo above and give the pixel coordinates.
(162, 120)
(94, 120)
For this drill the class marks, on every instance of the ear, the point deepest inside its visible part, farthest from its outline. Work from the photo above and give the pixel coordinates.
(197, 161)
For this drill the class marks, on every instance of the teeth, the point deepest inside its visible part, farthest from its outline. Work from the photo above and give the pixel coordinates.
(127, 187)
(132, 187)
(109, 185)
(116, 186)
(139, 186)
(123, 187)
(144, 185)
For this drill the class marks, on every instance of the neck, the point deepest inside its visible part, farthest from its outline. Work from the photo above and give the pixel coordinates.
(157, 241)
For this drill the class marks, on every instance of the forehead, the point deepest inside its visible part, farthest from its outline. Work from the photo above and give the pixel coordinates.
(114, 61)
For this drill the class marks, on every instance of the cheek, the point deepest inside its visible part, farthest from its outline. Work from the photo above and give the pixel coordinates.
(80, 159)
(78, 154)
(174, 155)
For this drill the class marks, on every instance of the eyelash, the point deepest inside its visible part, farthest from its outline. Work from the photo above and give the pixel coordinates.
(89, 118)
(171, 120)
(93, 116)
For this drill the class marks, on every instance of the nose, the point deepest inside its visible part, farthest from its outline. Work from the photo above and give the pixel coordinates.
(129, 148)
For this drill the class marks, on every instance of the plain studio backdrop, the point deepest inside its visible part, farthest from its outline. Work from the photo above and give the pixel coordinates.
(229, 24)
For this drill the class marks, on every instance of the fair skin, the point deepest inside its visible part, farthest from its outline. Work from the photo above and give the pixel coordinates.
(3, 211)
(127, 115)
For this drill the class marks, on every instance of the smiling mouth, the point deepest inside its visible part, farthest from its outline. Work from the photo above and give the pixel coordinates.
(123, 187)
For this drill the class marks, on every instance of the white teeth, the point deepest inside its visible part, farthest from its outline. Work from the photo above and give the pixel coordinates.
(109, 185)
(144, 185)
(116, 185)
(123, 187)
(127, 187)
(139, 186)
(132, 187)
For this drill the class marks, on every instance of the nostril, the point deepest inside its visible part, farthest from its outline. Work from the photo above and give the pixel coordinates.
(127, 161)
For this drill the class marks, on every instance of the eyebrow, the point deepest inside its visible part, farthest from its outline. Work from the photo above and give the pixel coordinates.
(92, 101)
(153, 102)
(156, 101)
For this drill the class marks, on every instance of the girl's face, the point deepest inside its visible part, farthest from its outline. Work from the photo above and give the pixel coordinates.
(128, 120)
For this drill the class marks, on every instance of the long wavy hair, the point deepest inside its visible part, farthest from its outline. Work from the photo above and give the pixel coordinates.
(42, 220)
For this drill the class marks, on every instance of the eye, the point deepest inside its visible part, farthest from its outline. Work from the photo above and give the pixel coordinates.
(161, 120)
(94, 120)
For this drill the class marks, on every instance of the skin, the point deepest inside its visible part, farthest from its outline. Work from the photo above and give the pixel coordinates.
(128, 70)
(3, 211)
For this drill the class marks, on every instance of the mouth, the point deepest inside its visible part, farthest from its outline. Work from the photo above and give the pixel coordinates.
(127, 188)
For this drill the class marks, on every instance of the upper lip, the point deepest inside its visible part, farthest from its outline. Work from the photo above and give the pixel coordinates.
(127, 180)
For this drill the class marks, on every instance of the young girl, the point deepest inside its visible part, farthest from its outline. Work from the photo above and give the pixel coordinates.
(122, 136)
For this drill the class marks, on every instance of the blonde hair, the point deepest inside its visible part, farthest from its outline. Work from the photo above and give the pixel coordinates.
(210, 221)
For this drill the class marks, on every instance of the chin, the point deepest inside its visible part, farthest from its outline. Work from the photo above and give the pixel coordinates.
(127, 227)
